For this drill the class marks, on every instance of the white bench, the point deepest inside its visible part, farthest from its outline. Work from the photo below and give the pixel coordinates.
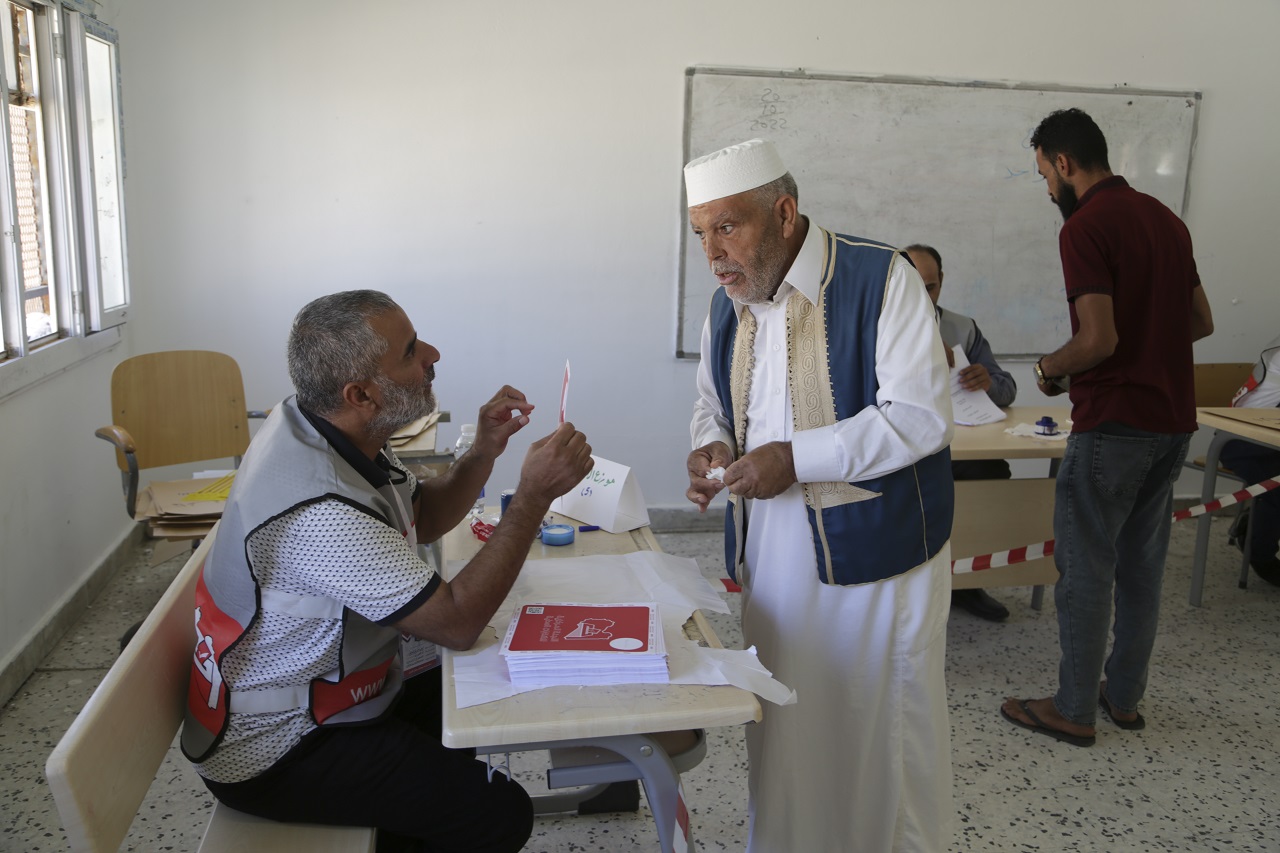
(101, 769)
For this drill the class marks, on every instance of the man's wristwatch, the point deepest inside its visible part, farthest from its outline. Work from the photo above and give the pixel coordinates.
(1040, 377)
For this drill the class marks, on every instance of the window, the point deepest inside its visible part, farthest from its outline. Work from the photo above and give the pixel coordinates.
(102, 170)
(63, 265)
(29, 177)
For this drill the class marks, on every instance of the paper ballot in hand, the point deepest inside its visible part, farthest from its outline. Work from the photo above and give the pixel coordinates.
(970, 408)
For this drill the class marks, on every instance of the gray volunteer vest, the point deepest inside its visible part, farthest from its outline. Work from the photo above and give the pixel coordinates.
(289, 465)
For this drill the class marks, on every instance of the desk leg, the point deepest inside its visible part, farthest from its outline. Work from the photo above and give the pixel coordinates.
(644, 759)
(661, 783)
(1202, 524)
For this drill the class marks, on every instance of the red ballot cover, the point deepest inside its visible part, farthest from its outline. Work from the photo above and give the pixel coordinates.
(628, 628)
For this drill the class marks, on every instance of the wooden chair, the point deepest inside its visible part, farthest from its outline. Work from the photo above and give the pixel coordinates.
(175, 408)
(1216, 385)
(101, 769)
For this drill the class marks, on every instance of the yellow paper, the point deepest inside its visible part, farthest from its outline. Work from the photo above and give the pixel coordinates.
(218, 490)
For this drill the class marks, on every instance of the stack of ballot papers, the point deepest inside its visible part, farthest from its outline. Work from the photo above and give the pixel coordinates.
(550, 644)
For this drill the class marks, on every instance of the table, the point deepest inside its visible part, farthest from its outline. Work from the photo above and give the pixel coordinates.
(619, 718)
(996, 515)
(1259, 426)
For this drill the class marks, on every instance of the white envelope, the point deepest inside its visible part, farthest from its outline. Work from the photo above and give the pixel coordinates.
(608, 497)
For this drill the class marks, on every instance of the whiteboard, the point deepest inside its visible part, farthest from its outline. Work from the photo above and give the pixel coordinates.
(949, 164)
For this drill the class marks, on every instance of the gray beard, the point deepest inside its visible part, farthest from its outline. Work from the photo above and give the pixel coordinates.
(401, 406)
(764, 277)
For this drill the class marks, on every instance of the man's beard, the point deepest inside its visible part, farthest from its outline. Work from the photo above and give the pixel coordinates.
(763, 273)
(1066, 200)
(401, 405)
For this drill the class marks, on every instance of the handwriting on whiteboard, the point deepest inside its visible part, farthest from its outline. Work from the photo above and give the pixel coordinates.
(772, 112)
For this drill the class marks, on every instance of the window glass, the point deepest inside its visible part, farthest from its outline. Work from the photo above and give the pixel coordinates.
(100, 75)
(30, 177)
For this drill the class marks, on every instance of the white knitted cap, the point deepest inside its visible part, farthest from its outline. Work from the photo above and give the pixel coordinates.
(732, 170)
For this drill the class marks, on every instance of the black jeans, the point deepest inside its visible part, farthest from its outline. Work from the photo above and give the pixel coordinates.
(394, 775)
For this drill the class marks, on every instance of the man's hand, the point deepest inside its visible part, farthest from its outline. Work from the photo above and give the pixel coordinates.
(1049, 388)
(701, 490)
(765, 472)
(496, 424)
(555, 464)
(975, 378)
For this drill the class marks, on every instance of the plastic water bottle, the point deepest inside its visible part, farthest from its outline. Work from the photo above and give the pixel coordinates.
(464, 443)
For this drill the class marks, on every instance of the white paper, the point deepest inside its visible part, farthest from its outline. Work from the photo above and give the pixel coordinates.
(970, 408)
(212, 474)
(1032, 431)
(564, 390)
(675, 583)
(608, 497)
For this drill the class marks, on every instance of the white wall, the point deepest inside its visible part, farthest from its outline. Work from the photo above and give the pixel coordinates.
(510, 172)
(61, 510)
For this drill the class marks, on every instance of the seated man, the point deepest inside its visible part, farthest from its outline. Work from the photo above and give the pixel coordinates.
(1254, 463)
(982, 374)
(298, 710)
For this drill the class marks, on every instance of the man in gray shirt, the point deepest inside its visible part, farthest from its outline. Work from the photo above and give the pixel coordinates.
(982, 374)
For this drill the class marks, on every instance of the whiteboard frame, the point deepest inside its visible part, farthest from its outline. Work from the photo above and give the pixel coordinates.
(804, 74)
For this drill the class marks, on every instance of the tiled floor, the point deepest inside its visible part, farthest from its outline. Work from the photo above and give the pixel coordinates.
(1203, 776)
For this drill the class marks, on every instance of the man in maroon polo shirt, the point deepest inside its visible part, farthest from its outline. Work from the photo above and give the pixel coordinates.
(1136, 306)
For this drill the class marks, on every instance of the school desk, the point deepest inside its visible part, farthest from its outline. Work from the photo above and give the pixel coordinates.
(618, 718)
(997, 515)
(1259, 426)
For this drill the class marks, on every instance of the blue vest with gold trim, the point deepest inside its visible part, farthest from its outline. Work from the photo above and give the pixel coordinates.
(909, 519)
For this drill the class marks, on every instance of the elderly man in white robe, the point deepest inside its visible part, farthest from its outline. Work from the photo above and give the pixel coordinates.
(823, 396)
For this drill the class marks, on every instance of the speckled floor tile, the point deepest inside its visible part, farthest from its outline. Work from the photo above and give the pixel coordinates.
(95, 640)
(1058, 817)
(1201, 777)
(31, 724)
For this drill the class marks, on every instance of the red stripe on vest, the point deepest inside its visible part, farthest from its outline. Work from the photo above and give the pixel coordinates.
(215, 631)
(328, 699)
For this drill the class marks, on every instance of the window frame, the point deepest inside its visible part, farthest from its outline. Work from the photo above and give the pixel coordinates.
(84, 325)
(98, 315)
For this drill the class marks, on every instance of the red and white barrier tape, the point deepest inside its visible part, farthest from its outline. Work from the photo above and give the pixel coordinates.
(1003, 558)
(1233, 498)
(1044, 549)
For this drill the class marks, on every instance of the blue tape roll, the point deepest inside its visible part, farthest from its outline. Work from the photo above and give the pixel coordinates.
(557, 534)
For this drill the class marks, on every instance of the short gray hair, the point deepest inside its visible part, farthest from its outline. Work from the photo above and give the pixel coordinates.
(766, 194)
(331, 344)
